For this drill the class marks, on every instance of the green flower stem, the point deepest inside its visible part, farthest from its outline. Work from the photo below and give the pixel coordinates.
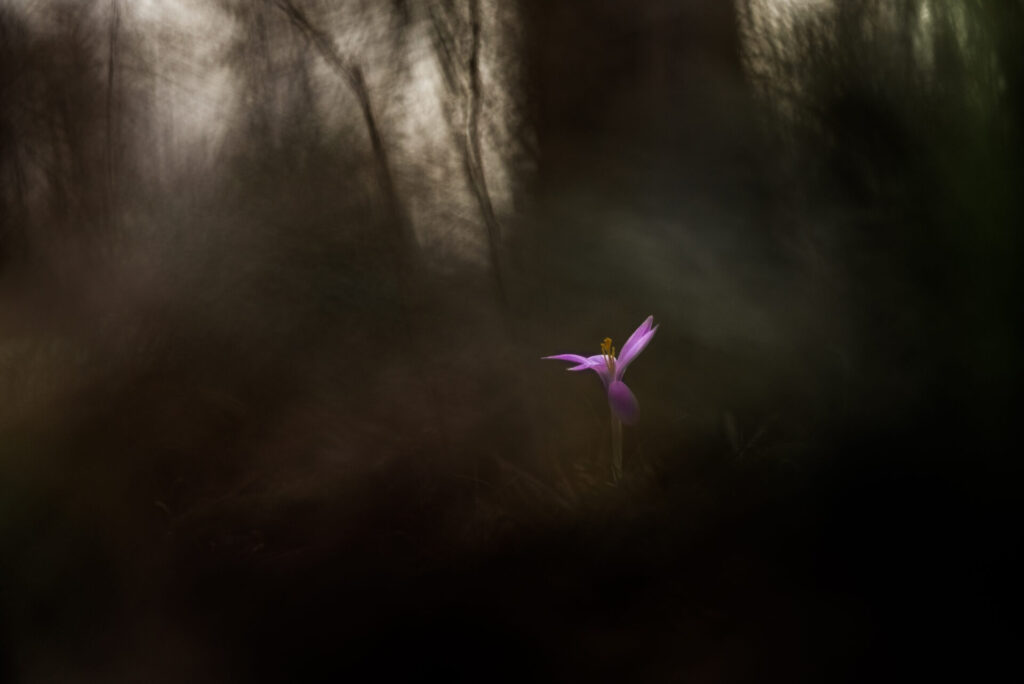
(616, 449)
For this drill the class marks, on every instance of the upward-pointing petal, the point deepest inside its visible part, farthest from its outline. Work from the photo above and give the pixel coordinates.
(636, 343)
(644, 328)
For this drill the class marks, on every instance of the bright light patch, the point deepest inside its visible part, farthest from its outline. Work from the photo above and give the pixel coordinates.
(195, 90)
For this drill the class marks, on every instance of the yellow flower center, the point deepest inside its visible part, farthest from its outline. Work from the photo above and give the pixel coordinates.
(608, 352)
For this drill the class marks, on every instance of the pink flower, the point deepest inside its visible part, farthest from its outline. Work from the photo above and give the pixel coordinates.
(611, 369)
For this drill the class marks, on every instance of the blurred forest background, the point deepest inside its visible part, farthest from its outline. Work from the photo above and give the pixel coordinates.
(275, 281)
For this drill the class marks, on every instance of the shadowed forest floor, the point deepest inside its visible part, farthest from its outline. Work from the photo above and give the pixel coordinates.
(218, 512)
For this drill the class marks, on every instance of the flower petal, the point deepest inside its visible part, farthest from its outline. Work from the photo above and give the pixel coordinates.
(627, 348)
(622, 402)
(639, 332)
(595, 363)
(636, 343)
(573, 358)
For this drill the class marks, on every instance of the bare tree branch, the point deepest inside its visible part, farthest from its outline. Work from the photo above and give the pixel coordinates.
(468, 139)
(478, 177)
(352, 73)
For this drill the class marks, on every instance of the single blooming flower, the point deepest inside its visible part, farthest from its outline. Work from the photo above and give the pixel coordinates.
(610, 368)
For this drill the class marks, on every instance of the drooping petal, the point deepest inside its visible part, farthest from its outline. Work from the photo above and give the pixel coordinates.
(623, 403)
(595, 363)
(599, 365)
(636, 343)
(573, 358)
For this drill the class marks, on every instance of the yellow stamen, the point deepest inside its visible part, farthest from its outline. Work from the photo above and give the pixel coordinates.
(608, 351)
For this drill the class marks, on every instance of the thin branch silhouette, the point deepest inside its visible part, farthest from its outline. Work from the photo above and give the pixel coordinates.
(467, 140)
(352, 73)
